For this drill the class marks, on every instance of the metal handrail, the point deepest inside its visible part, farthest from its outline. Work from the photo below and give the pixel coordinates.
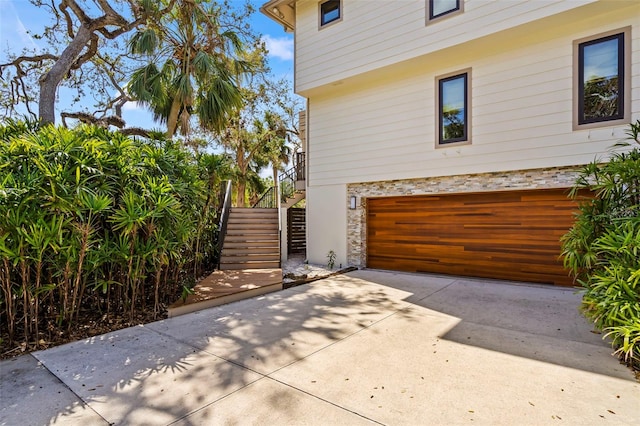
(286, 183)
(222, 224)
(267, 200)
(288, 179)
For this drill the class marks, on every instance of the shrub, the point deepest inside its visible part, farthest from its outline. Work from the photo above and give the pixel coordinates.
(92, 221)
(603, 248)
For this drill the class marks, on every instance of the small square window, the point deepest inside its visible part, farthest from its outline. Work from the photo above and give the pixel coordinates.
(439, 8)
(329, 12)
(601, 86)
(453, 108)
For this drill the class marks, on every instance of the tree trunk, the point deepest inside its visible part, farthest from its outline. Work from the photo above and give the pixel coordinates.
(172, 120)
(276, 188)
(242, 175)
(50, 81)
(241, 186)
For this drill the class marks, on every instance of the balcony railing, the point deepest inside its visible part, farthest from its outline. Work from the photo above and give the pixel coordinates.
(286, 183)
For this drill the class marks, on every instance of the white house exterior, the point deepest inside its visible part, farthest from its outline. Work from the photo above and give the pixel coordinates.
(434, 97)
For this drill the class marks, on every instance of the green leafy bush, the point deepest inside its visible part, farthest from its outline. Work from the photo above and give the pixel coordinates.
(95, 222)
(603, 248)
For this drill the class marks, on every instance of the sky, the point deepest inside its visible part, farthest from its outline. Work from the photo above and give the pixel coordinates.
(17, 17)
(453, 93)
(601, 60)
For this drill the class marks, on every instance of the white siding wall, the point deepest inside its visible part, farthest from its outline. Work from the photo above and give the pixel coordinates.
(381, 126)
(327, 223)
(370, 84)
(377, 33)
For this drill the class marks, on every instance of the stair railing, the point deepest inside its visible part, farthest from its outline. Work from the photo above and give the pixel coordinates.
(267, 200)
(222, 224)
(287, 184)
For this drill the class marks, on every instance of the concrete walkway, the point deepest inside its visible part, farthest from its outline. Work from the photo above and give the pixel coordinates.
(368, 347)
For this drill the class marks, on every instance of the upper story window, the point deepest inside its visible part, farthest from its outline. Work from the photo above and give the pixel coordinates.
(441, 8)
(330, 11)
(453, 105)
(601, 80)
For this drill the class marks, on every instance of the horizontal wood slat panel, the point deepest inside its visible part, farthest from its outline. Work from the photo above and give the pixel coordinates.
(296, 231)
(513, 235)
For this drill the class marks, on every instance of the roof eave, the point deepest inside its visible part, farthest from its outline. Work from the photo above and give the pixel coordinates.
(281, 11)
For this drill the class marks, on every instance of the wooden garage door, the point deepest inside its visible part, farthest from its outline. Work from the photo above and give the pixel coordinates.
(512, 235)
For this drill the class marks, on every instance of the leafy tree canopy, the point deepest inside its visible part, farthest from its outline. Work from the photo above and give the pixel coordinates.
(92, 48)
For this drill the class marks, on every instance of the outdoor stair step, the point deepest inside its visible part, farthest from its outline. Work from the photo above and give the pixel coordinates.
(271, 248)
(253, 209)
(249, 212)
(249, 243)
(243, 243)
(255, 225)
(259, 226)
(250, 250)
(273, 218)
(253, 240)
(249, 257)
(255, 212)
(252, 232)
(270, 221)
(241, 221)
(249, 265)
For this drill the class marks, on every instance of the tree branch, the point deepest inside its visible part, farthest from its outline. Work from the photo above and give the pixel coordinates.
(20, 59)
(85, 33)
(83, 117)
(92, 50)
(136, 131)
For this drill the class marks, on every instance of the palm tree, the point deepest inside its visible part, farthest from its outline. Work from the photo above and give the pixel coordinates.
(195, 68)
(273, 132)
(244, 145)
(214, 168)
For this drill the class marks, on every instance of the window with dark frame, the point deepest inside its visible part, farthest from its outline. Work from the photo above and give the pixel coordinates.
(329, 12)
(438, 8)
(601, 79)
(453, 119)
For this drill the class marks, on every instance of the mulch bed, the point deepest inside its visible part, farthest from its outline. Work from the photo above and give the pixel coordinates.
(88, 325)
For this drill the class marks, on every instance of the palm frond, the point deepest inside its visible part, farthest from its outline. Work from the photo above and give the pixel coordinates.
(144, 42)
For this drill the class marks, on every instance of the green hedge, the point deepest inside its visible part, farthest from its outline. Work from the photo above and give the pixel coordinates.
(603, 248)
(92, 221)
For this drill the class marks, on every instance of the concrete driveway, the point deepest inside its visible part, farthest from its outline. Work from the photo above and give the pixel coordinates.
(367, 347)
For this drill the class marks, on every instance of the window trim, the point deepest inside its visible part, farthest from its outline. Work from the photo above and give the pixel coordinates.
(467, 110)
(322, 25)
(625, 50)
(431, 18)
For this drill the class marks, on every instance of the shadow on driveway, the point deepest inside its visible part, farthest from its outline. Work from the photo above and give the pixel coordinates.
(288, 356)
(527, 320)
